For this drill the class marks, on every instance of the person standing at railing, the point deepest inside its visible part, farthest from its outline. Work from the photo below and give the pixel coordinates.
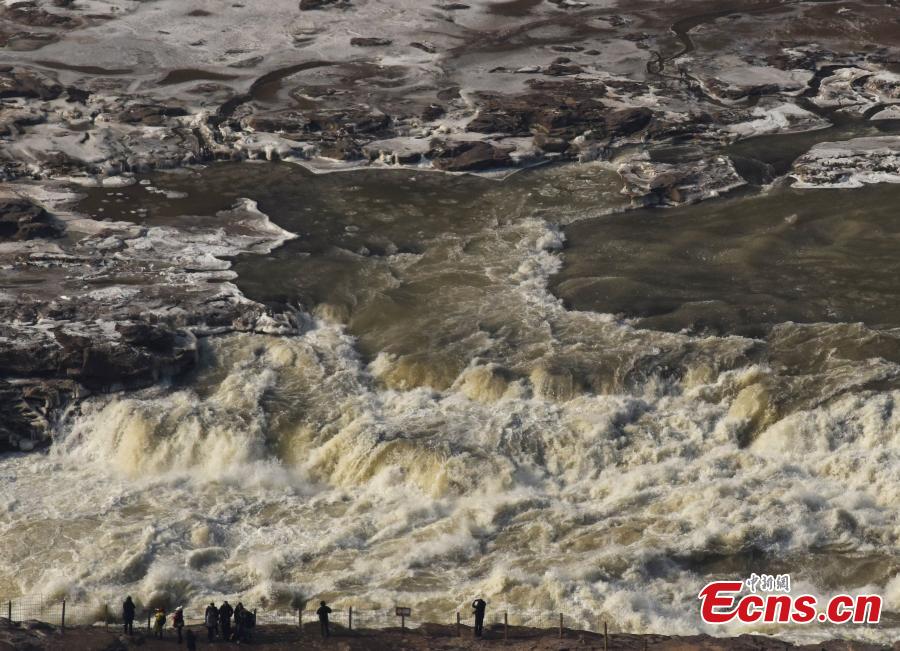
(178, 621)
(239, 614)
(479, 606)
(225, 613)
(323, 613)
(211, 620)
(159, 622)
(128, 615)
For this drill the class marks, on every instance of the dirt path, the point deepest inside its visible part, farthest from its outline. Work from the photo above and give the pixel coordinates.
(428, 637)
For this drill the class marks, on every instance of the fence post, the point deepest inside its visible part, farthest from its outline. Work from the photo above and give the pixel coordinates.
(505, 625)
(106, 615)
(9, 611)
(560, 625)
(148, 621)
(606, 637)
(300, 618)
(458, 630)
(350, 618)
(62, 619)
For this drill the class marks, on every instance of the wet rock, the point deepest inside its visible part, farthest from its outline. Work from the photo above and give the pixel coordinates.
(665, 184)
(751, 81)
(153, 115)
(425, 46)
(29, 13)
(433, 112)
(28, 408)
(340, 149)
(569, 4)
(566, 48)
(568, 108)
(468, 156)
(133, 323)
(448, 94)
(27, 84)
(562, 67)
(856, 90)
(146, 335)
(626, 122)
(14, 121)
(545, 142)
(308, 5)
(350, 121)
(397, 151)
(104, 365)
(22, 220)
(849, 163)
(290, 123)
(77, 95)
(374, 41)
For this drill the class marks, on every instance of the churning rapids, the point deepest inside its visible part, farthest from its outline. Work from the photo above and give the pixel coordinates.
(507, 388)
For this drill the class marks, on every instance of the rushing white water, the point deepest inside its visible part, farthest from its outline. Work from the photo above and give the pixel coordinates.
(565, 467)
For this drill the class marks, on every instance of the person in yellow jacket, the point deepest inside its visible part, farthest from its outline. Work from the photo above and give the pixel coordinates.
(159, 622)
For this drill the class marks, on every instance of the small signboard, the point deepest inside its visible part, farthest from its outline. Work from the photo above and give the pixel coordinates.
(403, 612)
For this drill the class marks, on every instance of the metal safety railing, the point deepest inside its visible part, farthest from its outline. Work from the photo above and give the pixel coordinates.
(500, 620)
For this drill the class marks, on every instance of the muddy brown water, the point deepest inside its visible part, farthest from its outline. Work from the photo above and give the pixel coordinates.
(677, 394)
(734, 265)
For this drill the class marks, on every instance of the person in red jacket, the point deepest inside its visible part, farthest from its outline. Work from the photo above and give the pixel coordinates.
(178, 621)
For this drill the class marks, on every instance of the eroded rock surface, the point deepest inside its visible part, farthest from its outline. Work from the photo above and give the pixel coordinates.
(322, 80)
(849, 163)
(477, 87)
(115, 305)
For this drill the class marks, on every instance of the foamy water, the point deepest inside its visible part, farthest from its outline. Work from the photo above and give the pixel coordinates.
(543, 458)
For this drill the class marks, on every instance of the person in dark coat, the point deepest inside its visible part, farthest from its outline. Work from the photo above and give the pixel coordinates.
(128, 615)
(323, 613)
(191, 640)
(239, 614)
(479, 606)
(225, 613)
(211, 621)
(249, 624)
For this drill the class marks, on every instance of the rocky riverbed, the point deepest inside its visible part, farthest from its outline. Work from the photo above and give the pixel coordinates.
(96, 91)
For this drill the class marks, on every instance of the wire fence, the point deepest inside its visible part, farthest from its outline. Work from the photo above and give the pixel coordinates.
(87, 612)
(57, 612)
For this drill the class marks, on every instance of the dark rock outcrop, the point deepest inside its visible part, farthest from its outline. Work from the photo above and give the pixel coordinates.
(27, 409)
(468, 156)
(308, 5)
(340, 149)
(625, 122)
(27, 84)
(22, 220)
(553, 105)
(372, 41)
(29, 13)
(152, 115)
